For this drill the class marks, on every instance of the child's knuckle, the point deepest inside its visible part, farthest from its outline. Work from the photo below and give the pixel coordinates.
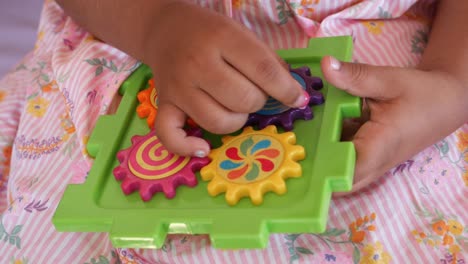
(219, 123)
(249, 101)
(267, 70)
(359, 73)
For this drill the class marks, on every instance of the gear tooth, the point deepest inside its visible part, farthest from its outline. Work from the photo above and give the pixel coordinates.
(190, 180)
(298, 153)
(206, 173)
(196, 164)
(122, 155)
(248, 129)
(187, 177)
(316, 83)
(271, 129)
(128, 186)
(135, 139)
(169, 188)
(213, 154)
(316, 98)
(289, 137)
(146, 108)
(216, 187)
(297, 170)
(233, 196)
(279, 187)
(257, 196)
(120, 173)
(309, 114)
(226, 139)
(148, 190)
(288, 125)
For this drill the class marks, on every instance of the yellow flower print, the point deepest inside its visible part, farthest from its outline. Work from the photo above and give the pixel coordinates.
(374, 26)
(443, 234)
(454, 249)
(237, 3)
(37, 106)
(455, 227)
(462, 143)
(374, 254)
(40, 36)
(2, 95)
(19, 261)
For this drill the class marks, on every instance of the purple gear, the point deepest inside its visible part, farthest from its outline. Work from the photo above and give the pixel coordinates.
(311, 84)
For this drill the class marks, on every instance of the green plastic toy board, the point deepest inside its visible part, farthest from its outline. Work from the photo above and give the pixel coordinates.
(99, 205)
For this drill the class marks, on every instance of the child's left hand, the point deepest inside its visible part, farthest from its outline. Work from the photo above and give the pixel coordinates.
(410, 109)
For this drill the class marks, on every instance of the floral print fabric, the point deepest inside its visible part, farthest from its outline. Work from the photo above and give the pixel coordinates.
(51, 100)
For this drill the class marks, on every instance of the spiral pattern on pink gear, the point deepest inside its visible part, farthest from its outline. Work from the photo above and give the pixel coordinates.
(148, 159)
(147, 166)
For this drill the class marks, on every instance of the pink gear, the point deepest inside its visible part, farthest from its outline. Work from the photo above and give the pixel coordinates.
(147, 165)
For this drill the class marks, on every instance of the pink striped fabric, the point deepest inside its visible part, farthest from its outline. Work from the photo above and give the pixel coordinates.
(50, 102)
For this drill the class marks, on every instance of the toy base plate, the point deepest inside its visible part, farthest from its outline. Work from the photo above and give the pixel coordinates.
(99, 205)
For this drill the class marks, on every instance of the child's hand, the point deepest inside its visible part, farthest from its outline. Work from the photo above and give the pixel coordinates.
(213, 70)
(410, 109)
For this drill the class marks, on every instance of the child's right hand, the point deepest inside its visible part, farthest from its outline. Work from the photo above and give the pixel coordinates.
(213, 70)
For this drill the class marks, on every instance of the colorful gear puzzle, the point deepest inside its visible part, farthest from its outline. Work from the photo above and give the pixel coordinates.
(253, 163)
(98, 205)
(149, 167)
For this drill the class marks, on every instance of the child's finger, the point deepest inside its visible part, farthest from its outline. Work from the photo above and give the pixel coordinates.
(282, 62)
(209, 114)
(362, 80)
(233, 90)
(169, 128)
(262, 67)
(375, 145)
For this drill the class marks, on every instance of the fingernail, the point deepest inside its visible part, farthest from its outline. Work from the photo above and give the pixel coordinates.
(335, 64)
(200, 154)
(303, 100)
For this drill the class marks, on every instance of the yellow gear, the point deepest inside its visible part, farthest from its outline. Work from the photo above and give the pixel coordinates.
(253, 163)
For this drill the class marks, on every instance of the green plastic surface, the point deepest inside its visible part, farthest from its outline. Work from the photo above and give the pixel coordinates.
(99, 205)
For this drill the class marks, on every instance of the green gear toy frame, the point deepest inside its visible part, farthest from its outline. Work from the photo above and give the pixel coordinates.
(98, 205)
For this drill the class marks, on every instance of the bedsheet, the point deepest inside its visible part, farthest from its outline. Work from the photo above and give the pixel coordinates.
(49, 103)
